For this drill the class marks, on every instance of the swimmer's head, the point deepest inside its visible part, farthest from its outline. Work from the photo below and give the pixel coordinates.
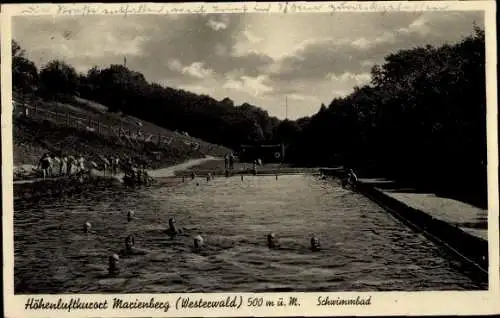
(315, 245)
(86, 227)
(129, 242)
(198, 242)
(113, 261)
(171, 222)
(130, 215)
(271, 240)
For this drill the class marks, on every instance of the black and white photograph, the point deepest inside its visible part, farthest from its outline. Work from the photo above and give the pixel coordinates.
(198, 152)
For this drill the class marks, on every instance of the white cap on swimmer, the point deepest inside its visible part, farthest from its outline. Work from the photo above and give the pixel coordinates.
(114, 258)
(87, 226)
(198, 241)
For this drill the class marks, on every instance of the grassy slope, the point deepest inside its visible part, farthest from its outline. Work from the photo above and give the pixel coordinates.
(33, 136)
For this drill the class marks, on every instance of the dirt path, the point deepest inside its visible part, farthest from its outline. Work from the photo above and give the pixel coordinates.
(170, 171)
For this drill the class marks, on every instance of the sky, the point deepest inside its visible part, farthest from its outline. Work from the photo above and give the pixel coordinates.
(263, 59)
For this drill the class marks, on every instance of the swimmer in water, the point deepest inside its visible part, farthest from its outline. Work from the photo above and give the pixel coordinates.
(86, 227)
(197, 184)
(130, 247)
(130, 215)
(129, 243)
(315, 245)
(272, 241)
(198, 242)
(113, 261)
(172, 230)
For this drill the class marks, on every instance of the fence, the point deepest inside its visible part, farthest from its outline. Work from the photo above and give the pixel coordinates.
(125, 132)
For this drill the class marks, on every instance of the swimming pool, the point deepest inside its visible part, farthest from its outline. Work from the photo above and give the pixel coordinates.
(363, 247)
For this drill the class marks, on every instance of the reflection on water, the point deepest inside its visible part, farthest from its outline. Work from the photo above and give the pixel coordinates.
(363, 247)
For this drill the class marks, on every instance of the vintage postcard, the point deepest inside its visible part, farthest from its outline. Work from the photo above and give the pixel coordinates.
(250, 159)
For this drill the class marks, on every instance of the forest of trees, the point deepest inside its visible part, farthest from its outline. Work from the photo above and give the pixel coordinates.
(423, 114)
(126, 91)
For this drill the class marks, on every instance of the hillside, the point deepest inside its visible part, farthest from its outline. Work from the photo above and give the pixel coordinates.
(70, 127)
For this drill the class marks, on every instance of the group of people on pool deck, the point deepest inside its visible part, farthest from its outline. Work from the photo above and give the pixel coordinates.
(134, 172)
(229, 160)
(62, 165)
(52, 165)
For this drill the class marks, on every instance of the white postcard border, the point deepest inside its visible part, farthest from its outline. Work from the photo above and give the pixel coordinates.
(381, 303)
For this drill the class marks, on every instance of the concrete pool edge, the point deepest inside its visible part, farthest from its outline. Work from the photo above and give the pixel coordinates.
(58, 186)
(468, 247)
(36, 188)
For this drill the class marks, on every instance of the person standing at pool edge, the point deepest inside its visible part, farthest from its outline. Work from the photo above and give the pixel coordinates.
(352, 179)
(55, 159)
(45, 164)
(69, 165)
(63, 166)
(231, 161)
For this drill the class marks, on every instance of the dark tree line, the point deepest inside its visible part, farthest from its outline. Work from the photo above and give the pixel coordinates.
(423, 114)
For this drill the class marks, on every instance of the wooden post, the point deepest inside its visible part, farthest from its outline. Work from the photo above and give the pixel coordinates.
(99, 127)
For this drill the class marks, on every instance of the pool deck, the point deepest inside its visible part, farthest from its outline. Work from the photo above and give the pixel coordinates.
(466, 217)
(459, 226)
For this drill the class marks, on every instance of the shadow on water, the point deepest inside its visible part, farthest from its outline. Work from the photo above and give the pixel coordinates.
(362, 247)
